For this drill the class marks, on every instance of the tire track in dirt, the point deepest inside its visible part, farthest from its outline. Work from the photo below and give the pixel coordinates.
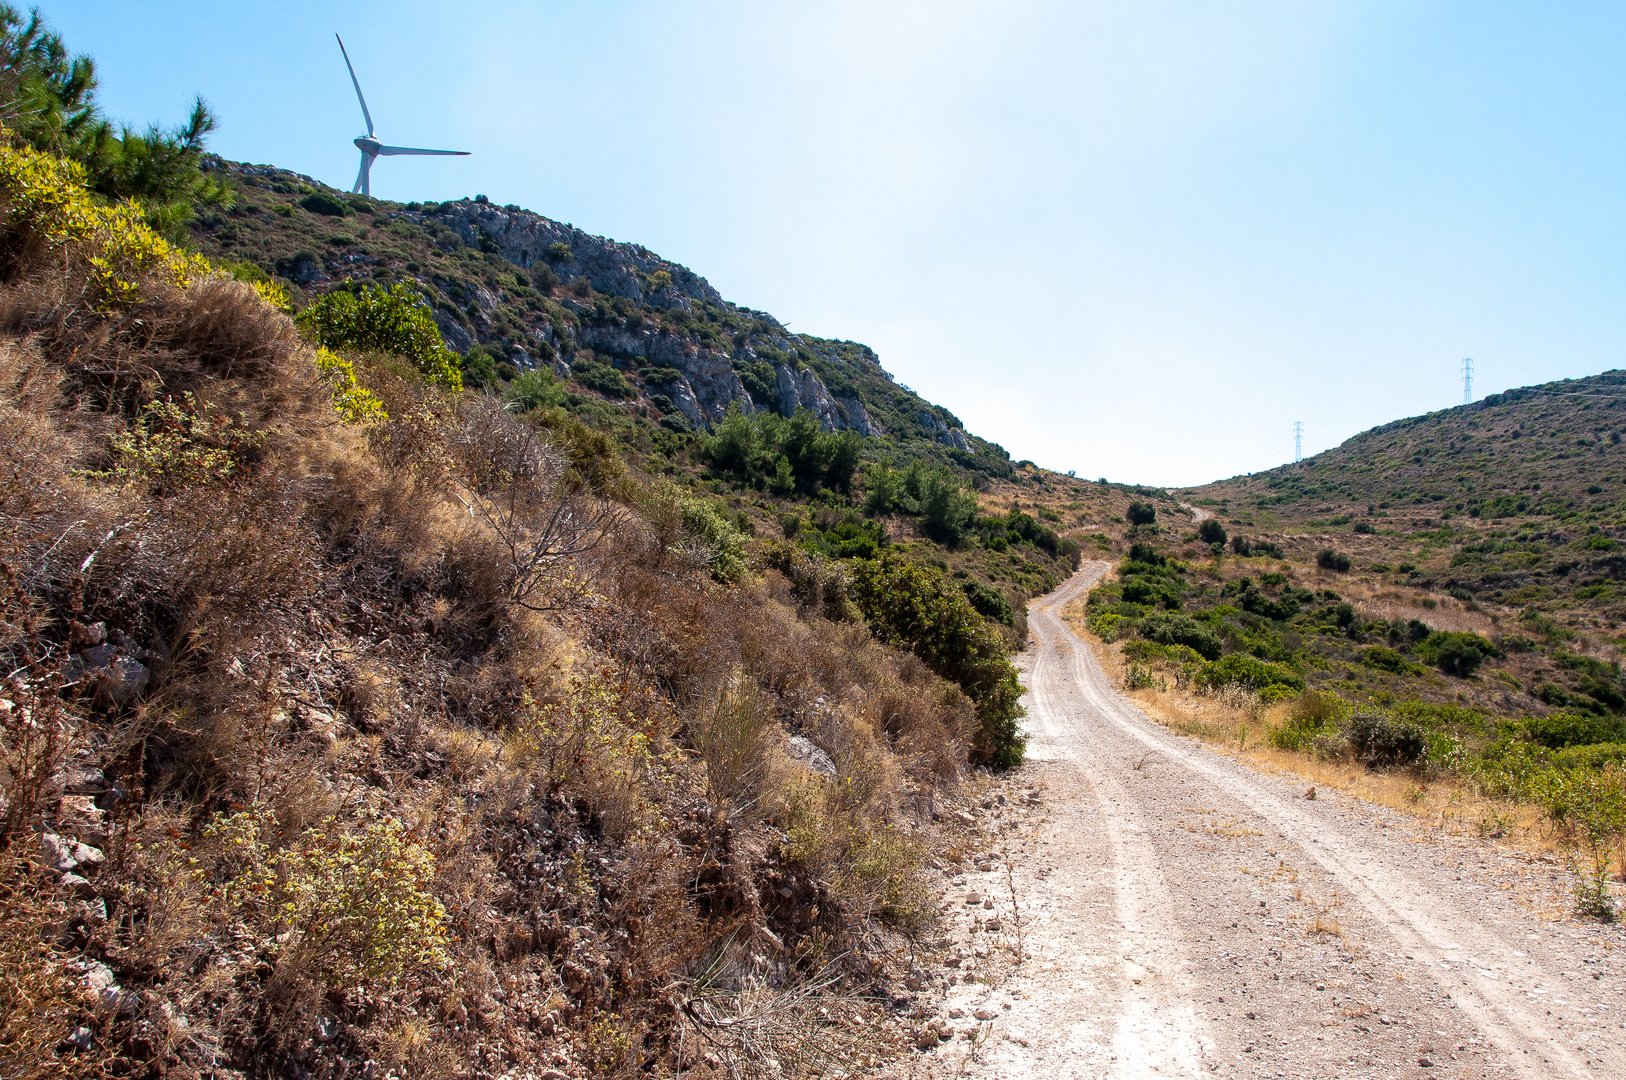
(1163, 942)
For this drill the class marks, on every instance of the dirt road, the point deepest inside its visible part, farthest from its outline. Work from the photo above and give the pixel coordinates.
(1184, 915)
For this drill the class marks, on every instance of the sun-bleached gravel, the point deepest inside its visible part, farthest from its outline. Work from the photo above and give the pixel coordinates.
(1147, 906)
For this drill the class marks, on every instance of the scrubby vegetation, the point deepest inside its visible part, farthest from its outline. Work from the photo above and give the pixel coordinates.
(1479, 550)
(354, 717)
(1337, 670)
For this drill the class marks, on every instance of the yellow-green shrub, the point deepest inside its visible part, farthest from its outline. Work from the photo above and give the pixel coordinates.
(273, 294)
(353, 401)
(45, 207)
(362, 901)
(1106, 625)
(172, 445)
(357, 902)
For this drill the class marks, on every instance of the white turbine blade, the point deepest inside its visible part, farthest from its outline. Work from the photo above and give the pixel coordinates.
(395, 151)
(357, 84)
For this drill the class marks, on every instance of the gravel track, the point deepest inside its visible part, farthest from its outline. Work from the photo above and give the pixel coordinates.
(1185, 915)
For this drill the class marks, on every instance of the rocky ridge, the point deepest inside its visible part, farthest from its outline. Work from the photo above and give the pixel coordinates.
(683, 348)
(708, 382)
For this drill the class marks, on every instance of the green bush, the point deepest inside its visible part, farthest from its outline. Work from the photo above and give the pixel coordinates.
(1280, 608)
(1142, 552)
(596, 375)
(1141, 513)
(1167, 628)
(709, 534)
(535, 389)
(394, 321)
(910, 606)
(1107, 625)
(478, 368)
(989, 602)
(1148, 591)
(1314, 715)
(1211, 531)
(1592, 756)
(1255, 674)
(1455, 653)
(1387, 659)
(1383, 740)
(1328, 559)
(320, 202)
(1561, 730)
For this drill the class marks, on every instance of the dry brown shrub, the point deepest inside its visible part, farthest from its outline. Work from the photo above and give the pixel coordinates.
(34, 742)
(215, 336)
(221, 328)
(369, 694)
(40, 999)
(731, 728)
(539, 517)
(758, 1030)
(162, 912)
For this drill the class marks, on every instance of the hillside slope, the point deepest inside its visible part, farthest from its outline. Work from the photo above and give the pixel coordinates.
(1517, 499)
(1502, 519)
(355, 723)
(512, 290)
(645, 351)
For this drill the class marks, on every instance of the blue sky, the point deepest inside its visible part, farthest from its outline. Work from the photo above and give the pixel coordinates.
(1136, 240)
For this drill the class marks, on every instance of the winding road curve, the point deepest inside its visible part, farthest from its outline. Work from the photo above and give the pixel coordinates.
(1185, 915)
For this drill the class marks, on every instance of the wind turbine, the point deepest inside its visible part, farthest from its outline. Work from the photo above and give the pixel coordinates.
(369, 145)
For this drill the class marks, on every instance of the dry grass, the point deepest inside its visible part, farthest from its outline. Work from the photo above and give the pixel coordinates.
(41, 1000)
(1241, 727)
(441, 621)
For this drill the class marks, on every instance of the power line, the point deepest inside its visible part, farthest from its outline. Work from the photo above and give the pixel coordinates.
(1467, 380)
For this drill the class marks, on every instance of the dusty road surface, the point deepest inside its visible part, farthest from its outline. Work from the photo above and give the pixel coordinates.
(1184, 915)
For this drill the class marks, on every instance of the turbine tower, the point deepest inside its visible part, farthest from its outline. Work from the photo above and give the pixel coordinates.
(371, 149)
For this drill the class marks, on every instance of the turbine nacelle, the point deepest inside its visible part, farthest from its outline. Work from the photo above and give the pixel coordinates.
(369, 145)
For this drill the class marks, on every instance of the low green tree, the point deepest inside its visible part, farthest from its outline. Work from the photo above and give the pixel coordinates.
(910, 606)
(50, 104)
(946, 508)
(534, 389)
(394, 321)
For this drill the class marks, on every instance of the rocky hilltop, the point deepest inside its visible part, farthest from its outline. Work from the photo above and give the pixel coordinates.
(527, 291)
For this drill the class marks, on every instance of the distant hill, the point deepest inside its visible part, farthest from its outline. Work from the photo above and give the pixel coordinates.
(1548, 453)
(1514, 506)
